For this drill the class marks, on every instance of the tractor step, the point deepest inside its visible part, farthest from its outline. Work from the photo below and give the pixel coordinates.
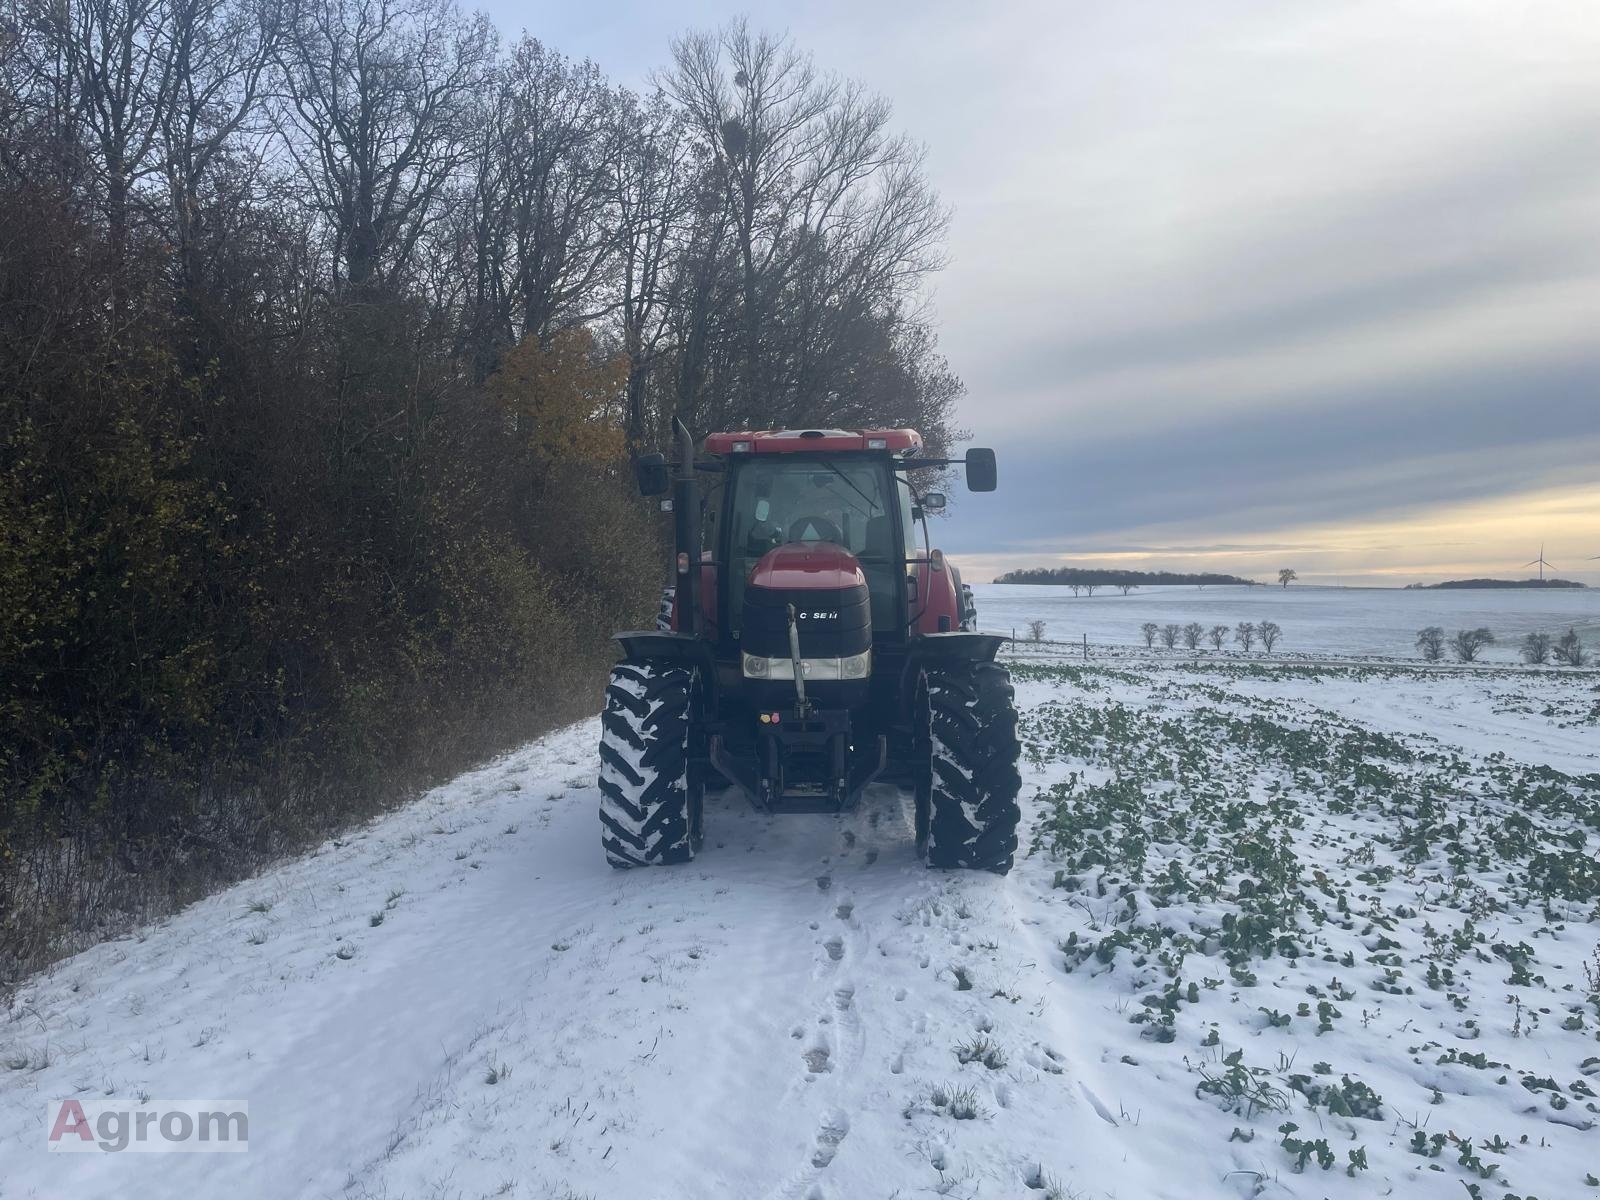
(792, 803)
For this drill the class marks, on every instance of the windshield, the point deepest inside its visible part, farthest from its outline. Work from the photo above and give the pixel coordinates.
(786, 499)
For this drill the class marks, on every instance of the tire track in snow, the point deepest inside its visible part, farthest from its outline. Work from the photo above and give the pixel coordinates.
(837, 1037)
(748, 1079)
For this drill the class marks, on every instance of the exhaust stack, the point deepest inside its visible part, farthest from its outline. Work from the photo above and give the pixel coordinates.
(686, 531)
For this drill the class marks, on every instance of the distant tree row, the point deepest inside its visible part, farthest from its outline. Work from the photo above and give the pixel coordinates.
(1089, 578)
(1496, 583)
(1245, 634)
(1468, 644)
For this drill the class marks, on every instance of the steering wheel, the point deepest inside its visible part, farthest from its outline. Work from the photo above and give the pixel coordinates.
(824, 529)
(763, 536)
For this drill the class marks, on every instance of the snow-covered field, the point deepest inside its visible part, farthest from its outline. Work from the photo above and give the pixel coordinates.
(1323, 620)
(1296, 930)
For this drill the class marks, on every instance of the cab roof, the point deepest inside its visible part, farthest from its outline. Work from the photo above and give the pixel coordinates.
(899, 442)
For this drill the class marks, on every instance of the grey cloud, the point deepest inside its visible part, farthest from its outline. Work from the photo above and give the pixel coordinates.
(1329, 311)
(1387, 253)
(1451, 439)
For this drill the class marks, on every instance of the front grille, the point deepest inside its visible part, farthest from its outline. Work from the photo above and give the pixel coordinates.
(832, 624)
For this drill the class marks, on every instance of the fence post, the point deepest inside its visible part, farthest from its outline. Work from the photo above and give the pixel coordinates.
(1086, 647)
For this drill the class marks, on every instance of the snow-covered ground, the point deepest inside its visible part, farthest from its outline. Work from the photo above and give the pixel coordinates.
(1324, 620)
(1290, 931)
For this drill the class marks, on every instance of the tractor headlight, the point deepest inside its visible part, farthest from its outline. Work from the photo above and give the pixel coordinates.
(856, 666)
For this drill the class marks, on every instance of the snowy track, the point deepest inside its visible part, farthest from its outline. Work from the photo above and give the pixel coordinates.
(751, 1025)
(462, 1000)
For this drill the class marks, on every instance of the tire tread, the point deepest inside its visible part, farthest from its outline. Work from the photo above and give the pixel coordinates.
(974, 806)
(646, 790)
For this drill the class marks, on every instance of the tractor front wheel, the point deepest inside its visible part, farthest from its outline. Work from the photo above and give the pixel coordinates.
(972, 812)
(651, 788)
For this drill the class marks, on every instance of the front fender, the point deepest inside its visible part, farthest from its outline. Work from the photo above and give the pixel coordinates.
(665, 646)
(969, 647)
(934, 648)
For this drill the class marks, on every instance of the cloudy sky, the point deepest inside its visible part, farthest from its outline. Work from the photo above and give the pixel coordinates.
(1243, 284)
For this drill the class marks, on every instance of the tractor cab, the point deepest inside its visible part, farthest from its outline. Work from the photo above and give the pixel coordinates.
(860, 502)
(810, 643)
(852, 490)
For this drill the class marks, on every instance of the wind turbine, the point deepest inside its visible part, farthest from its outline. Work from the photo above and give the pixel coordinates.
(1540, 563)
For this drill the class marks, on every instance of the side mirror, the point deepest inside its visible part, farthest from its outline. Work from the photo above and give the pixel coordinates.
(650, 470)
(981, 475)
(933, 501)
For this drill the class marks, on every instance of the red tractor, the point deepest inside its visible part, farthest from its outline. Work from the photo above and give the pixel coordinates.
(814, 644)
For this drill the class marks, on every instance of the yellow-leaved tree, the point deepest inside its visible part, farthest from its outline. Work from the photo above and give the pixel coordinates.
(563, 397)
(581, 523)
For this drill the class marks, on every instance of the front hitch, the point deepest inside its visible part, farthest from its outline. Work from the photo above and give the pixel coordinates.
(801, 707)
(822, 735)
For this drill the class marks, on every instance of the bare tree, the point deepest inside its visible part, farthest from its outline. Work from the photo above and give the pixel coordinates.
(1036, 630)
(1089, 588)
(1149, 629)
(652, 199)
(1128, 587)
(559, 138)
(1192, 633)
(1245, 634)
(1076, 588)
(1469, 643)
(221, 53)
(1536, 648)
(379, 100)
(113, 62)
(1287, 576)
(702, 309)
(805, 162)
(1431, 642)
(1269, 632)
(1217, 634)
(1569, 649)
(1169, 636)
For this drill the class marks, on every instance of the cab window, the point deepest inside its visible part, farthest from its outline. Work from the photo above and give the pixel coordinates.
(781, 499)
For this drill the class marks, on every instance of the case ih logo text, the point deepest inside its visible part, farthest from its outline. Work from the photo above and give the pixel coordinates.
(92, 1128)
(819, 616)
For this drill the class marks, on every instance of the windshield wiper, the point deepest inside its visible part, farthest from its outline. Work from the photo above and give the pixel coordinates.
(834, 467)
